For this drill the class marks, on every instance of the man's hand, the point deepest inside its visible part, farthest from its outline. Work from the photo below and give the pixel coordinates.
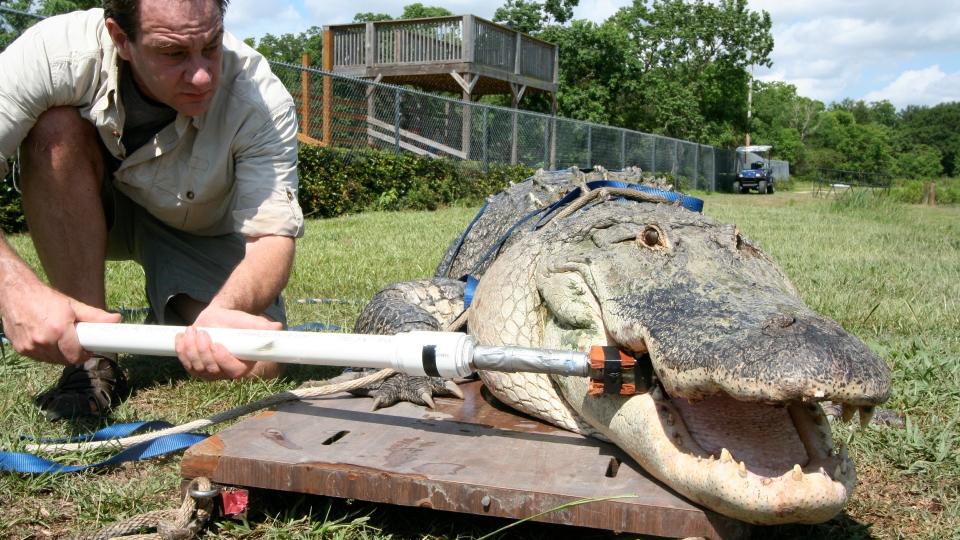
(203, 358)
(41, 323)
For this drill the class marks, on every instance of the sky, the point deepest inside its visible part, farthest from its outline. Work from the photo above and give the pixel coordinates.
(904, 52)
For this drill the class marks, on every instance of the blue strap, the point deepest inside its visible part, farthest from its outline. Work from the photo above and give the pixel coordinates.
(463, 235)
(28, 463)
(690, 203)
(495, 248)
(31, 464)
(315, 327)
(116, 431)
(469, 289)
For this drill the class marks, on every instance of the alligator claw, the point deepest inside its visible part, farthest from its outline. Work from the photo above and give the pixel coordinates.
(453, 389)
(416, 390)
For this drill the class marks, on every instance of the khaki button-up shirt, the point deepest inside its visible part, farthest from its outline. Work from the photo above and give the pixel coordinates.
(232, 169)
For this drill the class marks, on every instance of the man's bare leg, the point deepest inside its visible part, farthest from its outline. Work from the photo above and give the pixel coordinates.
(62, 175)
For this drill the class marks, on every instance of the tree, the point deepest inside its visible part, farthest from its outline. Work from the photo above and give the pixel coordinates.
(420, 11)
(522, 15)
(530, 16)
(595, 71)
(289, 48)
(12, 25)
(919, 161)
(668, 66)
(371, 17)
(854, 146)
(938, 127)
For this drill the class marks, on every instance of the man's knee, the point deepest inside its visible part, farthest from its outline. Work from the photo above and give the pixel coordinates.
(59, 131)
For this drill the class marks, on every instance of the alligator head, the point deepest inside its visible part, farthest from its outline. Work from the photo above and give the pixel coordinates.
(734, 422)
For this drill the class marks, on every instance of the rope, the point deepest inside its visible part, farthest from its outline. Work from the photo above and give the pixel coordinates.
(604, 193)
(183, 523)
(290, 395)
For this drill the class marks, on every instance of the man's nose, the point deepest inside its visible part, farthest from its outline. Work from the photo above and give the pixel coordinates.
(200, 73)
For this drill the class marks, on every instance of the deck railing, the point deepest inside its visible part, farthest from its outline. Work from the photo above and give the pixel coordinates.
(437, 40)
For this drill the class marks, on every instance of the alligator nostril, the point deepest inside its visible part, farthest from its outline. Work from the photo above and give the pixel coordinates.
(781, 320)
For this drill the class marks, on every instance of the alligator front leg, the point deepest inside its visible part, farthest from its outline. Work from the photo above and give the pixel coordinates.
(404, 307)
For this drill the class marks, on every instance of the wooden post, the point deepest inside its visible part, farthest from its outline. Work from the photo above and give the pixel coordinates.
(327, 86)
(305, 95)
(469, 38)
(466, 133)
(929, 194)
(553, 131)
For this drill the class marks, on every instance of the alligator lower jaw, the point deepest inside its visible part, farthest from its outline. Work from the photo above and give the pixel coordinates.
(757, 463)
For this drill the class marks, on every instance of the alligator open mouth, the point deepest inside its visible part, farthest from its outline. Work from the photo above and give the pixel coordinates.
(760, 462)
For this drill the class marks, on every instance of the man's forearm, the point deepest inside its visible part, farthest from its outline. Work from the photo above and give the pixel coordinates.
(260, 277)
(14, 273)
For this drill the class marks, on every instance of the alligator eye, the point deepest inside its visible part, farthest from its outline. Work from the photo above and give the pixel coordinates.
(651, 237)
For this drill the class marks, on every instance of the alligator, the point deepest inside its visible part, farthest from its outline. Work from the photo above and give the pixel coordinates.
(733, 419)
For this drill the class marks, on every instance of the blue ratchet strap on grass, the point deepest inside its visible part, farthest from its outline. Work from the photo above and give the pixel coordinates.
(19, 462)
(115, 431)
(315, 327)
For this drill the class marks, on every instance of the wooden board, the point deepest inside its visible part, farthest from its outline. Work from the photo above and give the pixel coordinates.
(466, 456)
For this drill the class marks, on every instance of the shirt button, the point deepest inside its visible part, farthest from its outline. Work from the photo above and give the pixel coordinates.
(190, 195)
(289, 195)
(116, 133)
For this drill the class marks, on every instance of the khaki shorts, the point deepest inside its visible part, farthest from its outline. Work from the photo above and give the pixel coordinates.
(174, 262)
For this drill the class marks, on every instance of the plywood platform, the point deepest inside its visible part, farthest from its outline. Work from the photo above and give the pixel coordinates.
(466, 456)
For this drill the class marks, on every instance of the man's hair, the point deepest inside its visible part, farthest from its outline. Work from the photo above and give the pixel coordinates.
(127, 14)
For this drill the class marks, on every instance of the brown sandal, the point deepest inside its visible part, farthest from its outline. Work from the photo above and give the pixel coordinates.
(90, 389)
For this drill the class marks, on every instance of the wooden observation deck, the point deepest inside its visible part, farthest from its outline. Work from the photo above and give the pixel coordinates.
(465, 54)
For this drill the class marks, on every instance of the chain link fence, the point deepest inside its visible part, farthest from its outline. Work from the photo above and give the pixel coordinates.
(344, 112)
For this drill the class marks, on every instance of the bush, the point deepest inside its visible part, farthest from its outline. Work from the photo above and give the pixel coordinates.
(911, 191)
(11, 210)
(337, 181)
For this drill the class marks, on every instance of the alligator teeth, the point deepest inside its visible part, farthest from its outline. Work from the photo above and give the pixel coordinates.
(866, 414)
(797, 474)
(838, 472)
(742, 469)
(725, 456)
(844, 455)
(847, 412)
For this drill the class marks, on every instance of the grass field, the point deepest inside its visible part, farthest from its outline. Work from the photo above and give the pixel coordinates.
(888, 273)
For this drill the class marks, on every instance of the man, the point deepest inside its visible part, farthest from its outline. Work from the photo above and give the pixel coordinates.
(147, 133)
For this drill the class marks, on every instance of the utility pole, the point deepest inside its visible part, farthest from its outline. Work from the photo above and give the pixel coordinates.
(749, 103)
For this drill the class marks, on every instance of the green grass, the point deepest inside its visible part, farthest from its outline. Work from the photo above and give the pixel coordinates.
(888, 273)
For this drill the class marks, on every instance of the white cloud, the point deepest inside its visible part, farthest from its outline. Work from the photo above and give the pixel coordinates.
(254, 18)
(832, 50)
(927, 86)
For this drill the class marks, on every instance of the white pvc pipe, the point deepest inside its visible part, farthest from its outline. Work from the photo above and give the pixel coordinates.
(447, 354)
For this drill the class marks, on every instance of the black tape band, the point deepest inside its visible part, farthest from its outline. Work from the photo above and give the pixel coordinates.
(429, 357)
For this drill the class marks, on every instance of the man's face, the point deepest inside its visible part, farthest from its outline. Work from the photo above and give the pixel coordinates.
(176, 56)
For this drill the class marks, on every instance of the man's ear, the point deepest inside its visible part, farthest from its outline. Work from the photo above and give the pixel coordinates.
(120, 39)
